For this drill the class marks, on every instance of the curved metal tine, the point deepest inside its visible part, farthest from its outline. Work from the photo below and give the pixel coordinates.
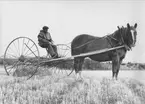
(51, 69)
(7, 62)
(11, 66)
(30, 62)
(16, 48)
(59, 69)
(70, 73)
(54, 67)
(54, 70)
(14, 65)
(8, 59)
(17, 66)
(67, 71)
(64, 69)
(31, 66)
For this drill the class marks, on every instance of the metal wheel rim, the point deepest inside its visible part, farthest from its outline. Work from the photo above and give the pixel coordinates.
(17, 60)
(60, 49)
(64, 48)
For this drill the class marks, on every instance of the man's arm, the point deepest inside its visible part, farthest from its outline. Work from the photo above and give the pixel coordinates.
(48, 36)
(42, 39)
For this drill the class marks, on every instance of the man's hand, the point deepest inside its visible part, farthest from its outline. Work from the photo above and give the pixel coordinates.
(49, 42)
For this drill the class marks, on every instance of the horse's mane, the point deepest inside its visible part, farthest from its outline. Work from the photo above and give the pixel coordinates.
(121, 35)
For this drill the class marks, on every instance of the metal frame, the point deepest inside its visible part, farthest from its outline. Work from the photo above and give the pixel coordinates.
(57, 59)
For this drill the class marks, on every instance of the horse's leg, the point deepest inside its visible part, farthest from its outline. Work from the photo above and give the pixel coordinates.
(120, 61)
(115, 65)
(81, 61)
(78, 66)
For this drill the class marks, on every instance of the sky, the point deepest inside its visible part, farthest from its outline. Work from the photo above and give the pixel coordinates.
(67, 19)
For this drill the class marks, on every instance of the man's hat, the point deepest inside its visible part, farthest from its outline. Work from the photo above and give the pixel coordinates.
(45, 27)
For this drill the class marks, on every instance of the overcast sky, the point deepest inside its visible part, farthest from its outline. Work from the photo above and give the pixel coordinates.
(67, 19)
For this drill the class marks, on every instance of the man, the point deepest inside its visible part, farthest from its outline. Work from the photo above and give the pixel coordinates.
(45, 41)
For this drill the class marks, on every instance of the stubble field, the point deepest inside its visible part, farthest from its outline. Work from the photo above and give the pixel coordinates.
(95, 88)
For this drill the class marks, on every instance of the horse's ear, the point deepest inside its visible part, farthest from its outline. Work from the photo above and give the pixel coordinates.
(118, 27)
(135, 25)
(128, 26)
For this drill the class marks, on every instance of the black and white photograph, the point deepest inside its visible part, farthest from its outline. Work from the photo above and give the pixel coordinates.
(72, 52)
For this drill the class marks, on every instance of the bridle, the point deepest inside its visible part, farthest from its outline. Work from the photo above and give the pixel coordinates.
(120, 41)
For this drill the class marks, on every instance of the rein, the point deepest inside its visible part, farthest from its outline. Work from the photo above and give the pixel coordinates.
(122, 42)
(97, 39)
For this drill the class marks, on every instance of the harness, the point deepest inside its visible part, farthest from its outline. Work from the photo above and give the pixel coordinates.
(109, 38)
(122, 42)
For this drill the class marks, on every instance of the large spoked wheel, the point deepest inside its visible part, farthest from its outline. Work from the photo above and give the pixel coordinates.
(60, 67)
(21, 58)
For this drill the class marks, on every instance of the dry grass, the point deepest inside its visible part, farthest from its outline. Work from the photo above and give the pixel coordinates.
(68, 90)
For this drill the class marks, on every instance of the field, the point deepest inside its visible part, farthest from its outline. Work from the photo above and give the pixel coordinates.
(96, 87)
(57, 89)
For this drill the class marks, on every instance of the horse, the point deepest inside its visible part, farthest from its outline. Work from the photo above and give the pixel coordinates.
(85, 43)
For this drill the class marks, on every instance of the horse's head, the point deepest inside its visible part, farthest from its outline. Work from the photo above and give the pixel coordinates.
(131, 35)
(128, 35)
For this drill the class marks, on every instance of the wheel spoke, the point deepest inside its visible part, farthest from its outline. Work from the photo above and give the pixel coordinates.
(13, 51)
(16, 49)
(19, 47)
(12, 56)
(23, 45)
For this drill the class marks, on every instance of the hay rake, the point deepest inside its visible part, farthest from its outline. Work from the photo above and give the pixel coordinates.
(22, 58)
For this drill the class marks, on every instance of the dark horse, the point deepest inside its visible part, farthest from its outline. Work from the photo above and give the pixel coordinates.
(86, 43)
